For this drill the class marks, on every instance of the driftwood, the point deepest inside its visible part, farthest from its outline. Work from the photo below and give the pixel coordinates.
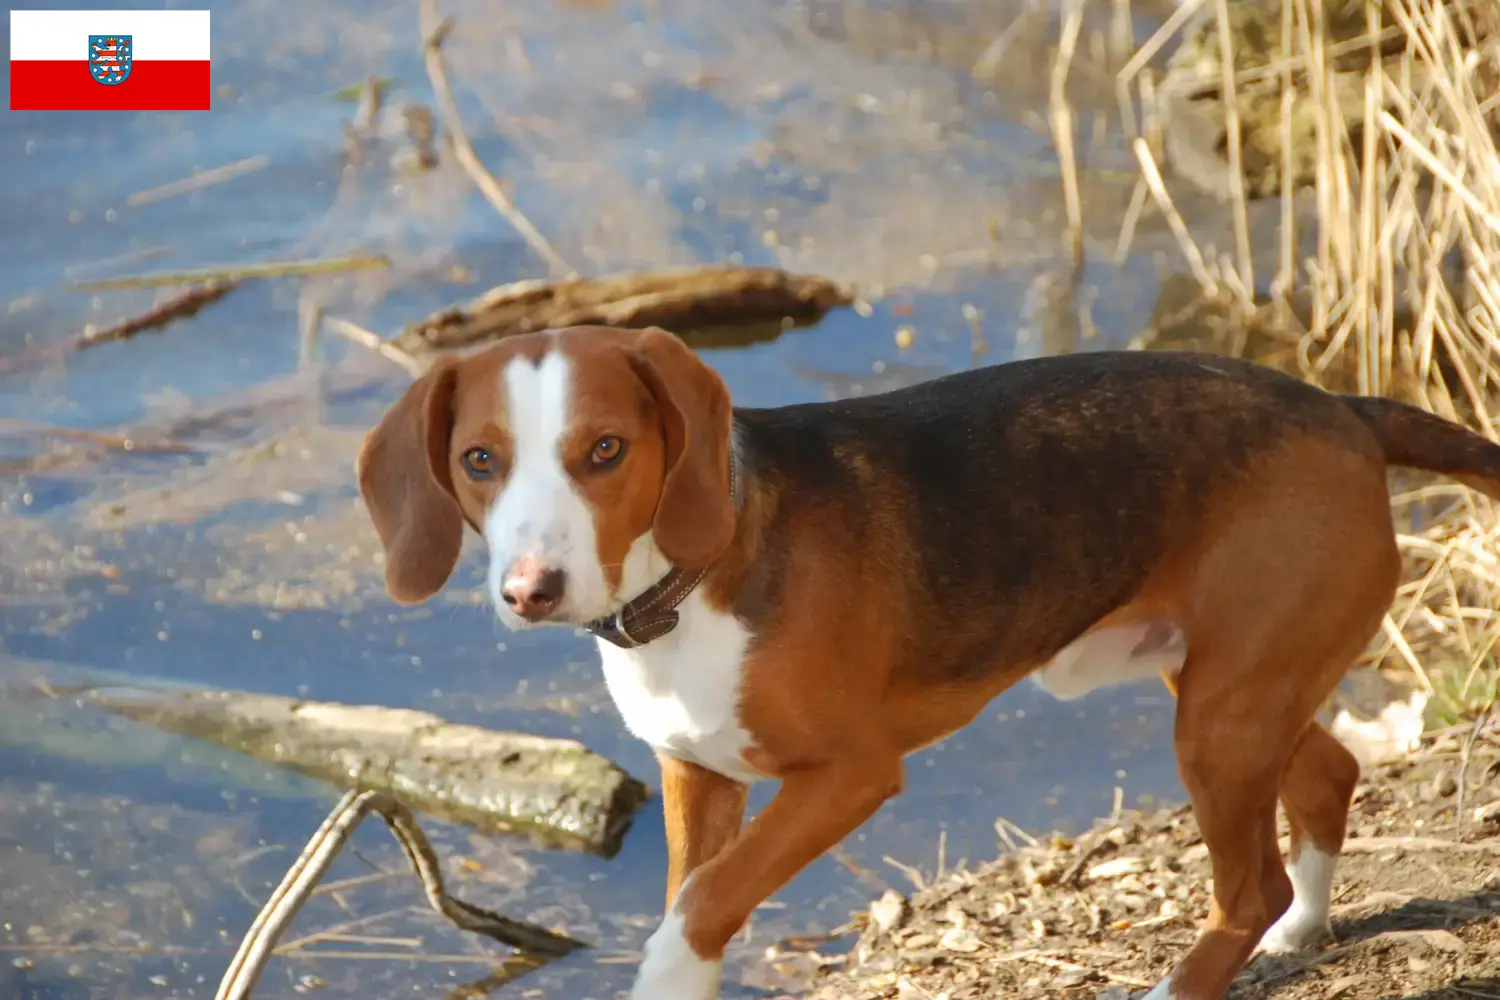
(681, 300)
(555, 792)
(536, 945)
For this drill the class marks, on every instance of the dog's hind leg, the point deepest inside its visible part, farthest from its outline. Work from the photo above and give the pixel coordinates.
(1276, 609)
(1316, 790)
(1231, 773)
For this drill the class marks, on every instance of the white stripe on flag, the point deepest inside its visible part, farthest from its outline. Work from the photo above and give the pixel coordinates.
(62, 35)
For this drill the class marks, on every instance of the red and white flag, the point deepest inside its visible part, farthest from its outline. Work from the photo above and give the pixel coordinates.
(100, 60)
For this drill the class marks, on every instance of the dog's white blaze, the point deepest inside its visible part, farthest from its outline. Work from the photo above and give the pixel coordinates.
(1306, 921)
(539, 513)
(1115, 655)
(680, 693)
(671, 969)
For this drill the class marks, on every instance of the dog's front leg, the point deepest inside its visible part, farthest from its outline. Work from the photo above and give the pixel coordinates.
(815, 808)
(703, 811)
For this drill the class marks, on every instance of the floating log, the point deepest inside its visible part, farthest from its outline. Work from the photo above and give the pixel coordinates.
(684, 301)
(556, 792)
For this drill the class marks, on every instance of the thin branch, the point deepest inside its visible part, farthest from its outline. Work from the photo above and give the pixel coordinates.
(1463, 765)
(200, 180)
(237, 272)
(434, 32)
(183, 305)
(373, 341)
(537, 944)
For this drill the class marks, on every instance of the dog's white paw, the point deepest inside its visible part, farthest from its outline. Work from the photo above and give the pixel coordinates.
(1305, 923)
(671, 969)
(1295, 931)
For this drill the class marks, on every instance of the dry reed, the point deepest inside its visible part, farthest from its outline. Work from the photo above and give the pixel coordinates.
(1416, 181)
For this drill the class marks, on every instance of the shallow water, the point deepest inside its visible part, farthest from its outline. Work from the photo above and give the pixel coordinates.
(849, 139)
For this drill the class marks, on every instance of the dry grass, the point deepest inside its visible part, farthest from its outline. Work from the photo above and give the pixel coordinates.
(1397, 191)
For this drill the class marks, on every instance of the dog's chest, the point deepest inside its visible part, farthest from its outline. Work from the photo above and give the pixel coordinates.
(681, 692)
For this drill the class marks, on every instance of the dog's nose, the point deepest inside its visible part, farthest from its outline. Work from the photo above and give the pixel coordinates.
(531, 589)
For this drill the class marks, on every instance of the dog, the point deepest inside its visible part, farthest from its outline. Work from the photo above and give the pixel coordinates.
(809, 593)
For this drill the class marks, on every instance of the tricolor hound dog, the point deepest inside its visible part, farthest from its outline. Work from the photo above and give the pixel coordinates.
(810, 593)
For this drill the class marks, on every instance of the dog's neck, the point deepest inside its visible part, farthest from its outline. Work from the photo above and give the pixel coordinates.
(653, 613)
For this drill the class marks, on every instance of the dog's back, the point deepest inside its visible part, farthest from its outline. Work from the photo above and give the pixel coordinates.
(1021, 503)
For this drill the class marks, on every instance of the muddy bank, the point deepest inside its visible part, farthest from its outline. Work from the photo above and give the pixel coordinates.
(1416, 904)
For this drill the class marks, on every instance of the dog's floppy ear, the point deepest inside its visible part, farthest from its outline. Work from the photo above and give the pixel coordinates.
(694, 520)
(407, 486)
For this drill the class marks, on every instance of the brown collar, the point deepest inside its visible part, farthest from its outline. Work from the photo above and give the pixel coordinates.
(653, 614)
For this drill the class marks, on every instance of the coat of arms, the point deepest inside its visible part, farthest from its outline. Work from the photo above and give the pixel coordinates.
(110, 58)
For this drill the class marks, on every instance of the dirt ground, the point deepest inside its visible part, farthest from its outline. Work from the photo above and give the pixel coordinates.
(1416, 904)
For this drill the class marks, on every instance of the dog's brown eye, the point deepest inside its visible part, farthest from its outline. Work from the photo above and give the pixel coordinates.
(478, 463)
(607, 450)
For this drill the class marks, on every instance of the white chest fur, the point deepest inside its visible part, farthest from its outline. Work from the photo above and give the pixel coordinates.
(681, 692)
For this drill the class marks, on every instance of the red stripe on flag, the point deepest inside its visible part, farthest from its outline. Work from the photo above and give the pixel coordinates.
(68, 86)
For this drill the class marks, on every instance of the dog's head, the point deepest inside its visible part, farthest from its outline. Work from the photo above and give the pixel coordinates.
(589, 458)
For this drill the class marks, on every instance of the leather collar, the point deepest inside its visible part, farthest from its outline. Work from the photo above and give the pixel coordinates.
(653, 614)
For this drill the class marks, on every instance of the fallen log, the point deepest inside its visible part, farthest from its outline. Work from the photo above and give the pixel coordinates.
(558, 793)
(685, 301)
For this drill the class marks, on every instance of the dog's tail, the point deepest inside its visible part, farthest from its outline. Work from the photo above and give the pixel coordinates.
(1415, 439)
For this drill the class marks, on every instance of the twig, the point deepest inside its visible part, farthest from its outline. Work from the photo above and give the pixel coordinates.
(373, 341)
(480, 989)
(369, 939)
(1061, 120)
(180, 306)
(1441, 171)
(860, 872)
(1236, 161)
(434, 32)
(1174, 220)
(353, 882)
(340, 929)
(114, 441)
(237, 272)
(1159, 38)
(309, 324)
(466, 916)
(200, 180)
(538, 944)
(1004, 828)
(913, 874)
(1114, 977)
(1463, 765)
(1074, 874)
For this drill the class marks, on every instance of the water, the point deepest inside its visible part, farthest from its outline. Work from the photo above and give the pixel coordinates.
(849, 139)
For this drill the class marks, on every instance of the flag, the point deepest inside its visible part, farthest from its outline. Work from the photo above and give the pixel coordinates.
(100, 60)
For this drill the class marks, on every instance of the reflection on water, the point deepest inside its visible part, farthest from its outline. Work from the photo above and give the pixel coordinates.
(180, 507)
